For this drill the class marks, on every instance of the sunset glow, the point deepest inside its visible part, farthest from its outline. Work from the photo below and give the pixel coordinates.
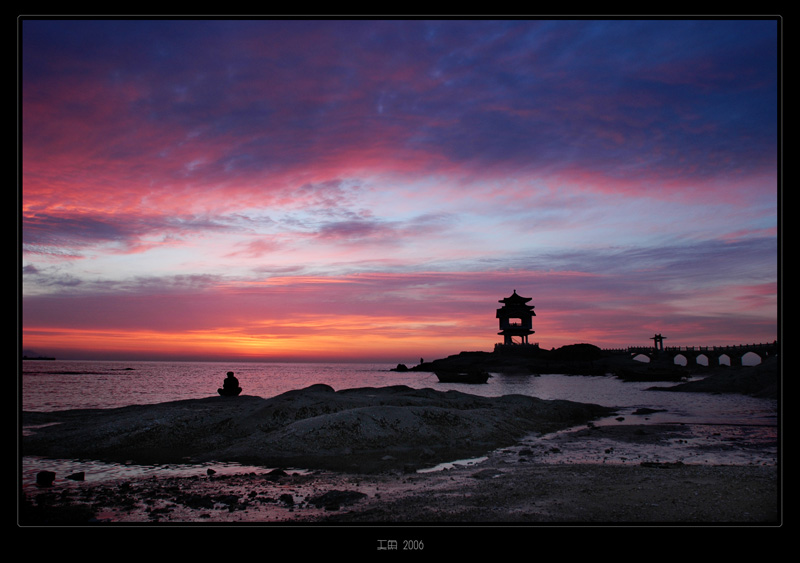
(369, 190)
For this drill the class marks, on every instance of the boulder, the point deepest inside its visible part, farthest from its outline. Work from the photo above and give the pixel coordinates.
(45, 478)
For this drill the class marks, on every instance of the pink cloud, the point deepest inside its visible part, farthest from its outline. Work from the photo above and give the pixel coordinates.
(399, 176)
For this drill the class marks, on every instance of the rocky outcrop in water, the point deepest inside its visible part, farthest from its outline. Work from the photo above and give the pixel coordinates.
(365, 429)
(574, 359)
(762, 380)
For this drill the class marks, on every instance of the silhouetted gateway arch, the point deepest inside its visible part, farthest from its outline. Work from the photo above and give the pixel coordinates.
(735, 353)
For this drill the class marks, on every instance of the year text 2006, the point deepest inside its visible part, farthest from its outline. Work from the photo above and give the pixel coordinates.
(405, 545)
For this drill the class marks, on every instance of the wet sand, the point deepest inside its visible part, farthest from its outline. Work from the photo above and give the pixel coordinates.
(522, 484)
(491, 492)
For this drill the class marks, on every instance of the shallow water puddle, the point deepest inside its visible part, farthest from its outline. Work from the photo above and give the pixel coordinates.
(453, 464)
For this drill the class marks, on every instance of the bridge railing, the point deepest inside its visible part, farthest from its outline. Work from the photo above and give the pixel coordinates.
(732, 348)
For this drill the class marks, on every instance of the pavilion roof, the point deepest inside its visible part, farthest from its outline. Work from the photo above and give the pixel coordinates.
(515, 299)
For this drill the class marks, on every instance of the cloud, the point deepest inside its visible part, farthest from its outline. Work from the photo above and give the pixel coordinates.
(474, 96)
(124, 232)
(227, 175)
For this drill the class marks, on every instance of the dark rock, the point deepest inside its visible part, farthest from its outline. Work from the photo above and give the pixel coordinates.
(49, 515)
(332, 500)
(315, 427)
(45, 478)
(198, 501)
(577, 352)
(156, 512)
(230, 500)
(427, 453)
(761, 380)
(276, 474)
(79, 476)
(286, 499)
(574, 359)
(485, 474)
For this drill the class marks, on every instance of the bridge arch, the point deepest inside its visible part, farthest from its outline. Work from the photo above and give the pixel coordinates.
(751, 359)
(711, 356)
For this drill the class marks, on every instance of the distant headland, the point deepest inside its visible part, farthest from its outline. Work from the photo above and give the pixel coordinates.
(517, 355)
(588, 359)
(760, 380)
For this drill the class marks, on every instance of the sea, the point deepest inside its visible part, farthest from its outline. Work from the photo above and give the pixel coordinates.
(55, 385)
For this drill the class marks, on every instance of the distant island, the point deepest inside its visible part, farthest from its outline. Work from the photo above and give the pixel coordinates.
(37, 358)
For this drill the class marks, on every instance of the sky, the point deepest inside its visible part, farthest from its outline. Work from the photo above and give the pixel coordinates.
(370, 189)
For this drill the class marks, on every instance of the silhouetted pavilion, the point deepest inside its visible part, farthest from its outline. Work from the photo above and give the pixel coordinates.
(516, 318)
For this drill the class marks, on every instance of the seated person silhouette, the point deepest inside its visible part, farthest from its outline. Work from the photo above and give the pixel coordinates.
(230, 387)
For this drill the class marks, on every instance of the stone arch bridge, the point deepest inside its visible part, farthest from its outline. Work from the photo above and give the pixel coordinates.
(711, 353)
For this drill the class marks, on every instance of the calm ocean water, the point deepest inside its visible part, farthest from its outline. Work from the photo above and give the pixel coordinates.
(59, 385)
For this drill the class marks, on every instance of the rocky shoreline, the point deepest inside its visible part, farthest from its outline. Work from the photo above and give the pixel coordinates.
(364, 448)
(762, 380)
(514, 485)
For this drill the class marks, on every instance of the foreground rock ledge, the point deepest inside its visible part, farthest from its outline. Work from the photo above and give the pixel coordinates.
(358, 430)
